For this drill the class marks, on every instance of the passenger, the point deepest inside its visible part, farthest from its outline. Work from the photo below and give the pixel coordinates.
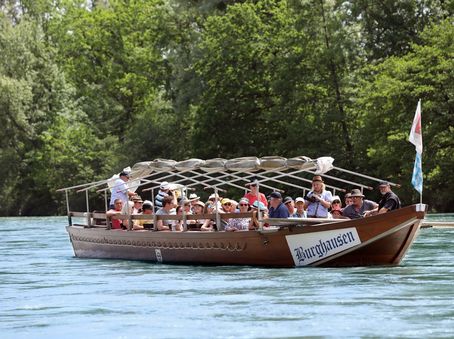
(137, 207)
(199, 209)
(164, 190)
(120, 190)
(226, 206)
(290, 204)
(212, 198)
(234, 208)
(277, 208)
(348, 199)
(194, 198)
(239, 224)
(336, 208)
(389, 201)
(166, 209)
(178, 225)
(187, 206)
(147, 209)
(252, 195)
(318, 201)
(254, 223)
(359, 207)
(300, 212)
(116, 223)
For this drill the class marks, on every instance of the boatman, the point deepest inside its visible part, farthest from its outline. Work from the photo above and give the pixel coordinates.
(389, 201)
(120, 190)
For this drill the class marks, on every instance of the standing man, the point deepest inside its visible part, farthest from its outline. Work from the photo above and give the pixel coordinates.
(359, 206)
(120, 190)
(389, 201)
(277, 208)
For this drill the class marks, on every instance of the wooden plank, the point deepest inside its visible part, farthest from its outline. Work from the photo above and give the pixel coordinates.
(437, 224)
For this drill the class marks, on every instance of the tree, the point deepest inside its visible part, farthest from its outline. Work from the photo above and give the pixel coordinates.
(387, 101)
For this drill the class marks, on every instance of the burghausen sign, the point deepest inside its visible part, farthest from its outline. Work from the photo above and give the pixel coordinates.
(311, 247)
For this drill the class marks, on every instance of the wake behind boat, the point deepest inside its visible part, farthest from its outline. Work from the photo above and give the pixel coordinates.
(381, 239)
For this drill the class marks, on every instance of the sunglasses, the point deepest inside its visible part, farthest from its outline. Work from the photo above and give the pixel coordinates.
(336, 202)
(244, 204)
(227, 204)
(288, 203)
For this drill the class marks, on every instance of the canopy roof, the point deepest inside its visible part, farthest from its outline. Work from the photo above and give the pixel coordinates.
(271, 172)
(244, 164)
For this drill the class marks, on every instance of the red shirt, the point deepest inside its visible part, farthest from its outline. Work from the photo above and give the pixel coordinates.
(116, 224)
(253, 197)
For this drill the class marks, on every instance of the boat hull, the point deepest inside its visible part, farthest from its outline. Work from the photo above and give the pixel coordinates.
(378, 240)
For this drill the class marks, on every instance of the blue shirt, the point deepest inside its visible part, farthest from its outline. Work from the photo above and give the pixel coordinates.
(279, 212)
(316, 209)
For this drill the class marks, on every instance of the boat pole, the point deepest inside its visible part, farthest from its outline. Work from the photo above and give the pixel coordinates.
(67, 208)
(218, 216)
(259, 212)
(88, 209)
(185, 223)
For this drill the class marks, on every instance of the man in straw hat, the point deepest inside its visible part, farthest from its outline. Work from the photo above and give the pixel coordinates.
(359, 207)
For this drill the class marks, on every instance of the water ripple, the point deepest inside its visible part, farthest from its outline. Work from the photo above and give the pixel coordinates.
(47, 293)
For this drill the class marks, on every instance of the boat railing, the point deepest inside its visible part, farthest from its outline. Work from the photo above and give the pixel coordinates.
(102, 220)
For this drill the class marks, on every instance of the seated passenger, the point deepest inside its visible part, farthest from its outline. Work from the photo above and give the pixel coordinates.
(359, 207)
(336, 208)
(277, 208)
(348, 199)
(147, 209)
(199, 208)
(389, 201)
(318, 200)
(118, 206)
(254, 223)
(226, 206)
(164, 190)
(252, 195)
(239, 224)
(300, 212)
(166, 209)
(137, 207)
(290, 204)
(194, 199)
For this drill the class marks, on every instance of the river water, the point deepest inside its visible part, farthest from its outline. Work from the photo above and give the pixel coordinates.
(47, 293)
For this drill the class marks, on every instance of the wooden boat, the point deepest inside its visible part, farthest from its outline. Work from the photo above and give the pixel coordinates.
(377, 240)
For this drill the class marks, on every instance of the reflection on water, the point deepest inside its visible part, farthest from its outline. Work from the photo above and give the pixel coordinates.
(47, 293)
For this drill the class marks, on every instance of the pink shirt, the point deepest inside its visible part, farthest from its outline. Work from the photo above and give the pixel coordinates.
(253, 197)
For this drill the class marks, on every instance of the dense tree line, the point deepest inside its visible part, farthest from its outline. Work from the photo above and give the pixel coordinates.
(88, 87)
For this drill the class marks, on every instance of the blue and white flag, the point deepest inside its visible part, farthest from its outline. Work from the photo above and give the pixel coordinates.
(416, 139)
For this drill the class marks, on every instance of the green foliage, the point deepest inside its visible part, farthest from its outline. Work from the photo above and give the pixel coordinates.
(388, 100)
(89, 87)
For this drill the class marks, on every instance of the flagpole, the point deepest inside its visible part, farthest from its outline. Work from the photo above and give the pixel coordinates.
(415, 138)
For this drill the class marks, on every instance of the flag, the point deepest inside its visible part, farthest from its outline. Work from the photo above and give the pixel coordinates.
(416, 133)
(416, 139)
(416, 180)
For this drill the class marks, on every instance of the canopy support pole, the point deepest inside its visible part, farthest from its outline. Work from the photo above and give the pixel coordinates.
(67, 208)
